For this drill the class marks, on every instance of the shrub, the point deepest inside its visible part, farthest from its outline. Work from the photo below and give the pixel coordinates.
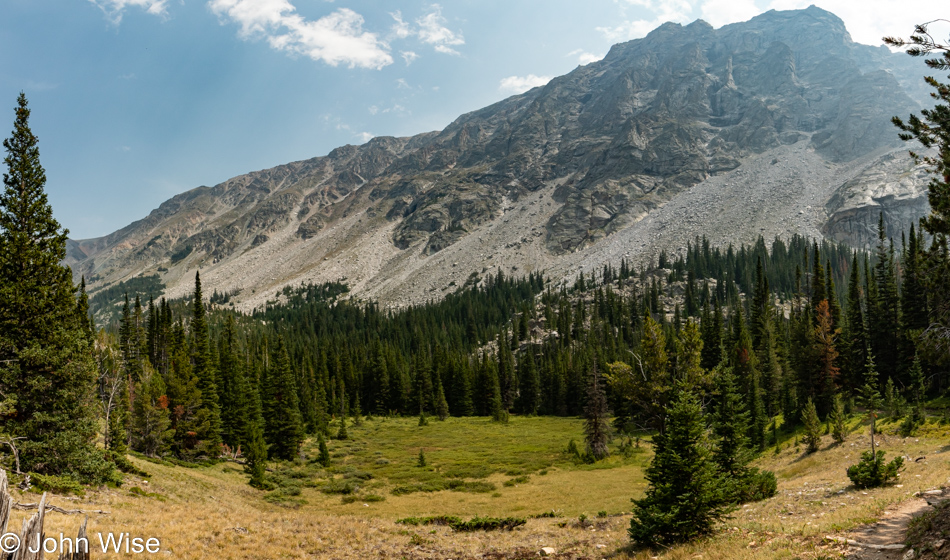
(871, 471)
(759, 485)
(57, 484)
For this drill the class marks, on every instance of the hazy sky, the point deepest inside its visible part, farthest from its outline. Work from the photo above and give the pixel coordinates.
(137, 100)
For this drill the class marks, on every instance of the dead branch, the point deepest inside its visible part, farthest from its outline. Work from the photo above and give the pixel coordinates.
(57, 509)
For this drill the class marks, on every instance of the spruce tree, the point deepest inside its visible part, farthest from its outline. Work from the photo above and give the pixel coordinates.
(837, 418)
(234, 406)
(256, 457)
(530, 394)
(324, 457)
(812, 437)
(855, 332)
(151, 420)
(210, 408)
(441, 405)
(46, 367)
(596, 428)
(283, 428)
(686, 496)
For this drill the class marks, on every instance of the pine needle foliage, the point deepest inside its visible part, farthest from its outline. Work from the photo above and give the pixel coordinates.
(686, 498)
(47, 376)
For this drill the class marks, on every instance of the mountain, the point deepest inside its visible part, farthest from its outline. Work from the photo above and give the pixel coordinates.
(774, 126)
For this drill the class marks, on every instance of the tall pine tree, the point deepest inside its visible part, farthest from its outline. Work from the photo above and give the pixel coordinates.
(46, 369)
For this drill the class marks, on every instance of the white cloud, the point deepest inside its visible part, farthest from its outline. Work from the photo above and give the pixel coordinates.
(373, 109)
(400, 29)
(365, 136)
(721, 12)
(337, 38)
(867, 21)
(432, 30)
(870, 20)
(114, 9)
(584, 57)
(408, 56)
(521, 84)
(679, 11)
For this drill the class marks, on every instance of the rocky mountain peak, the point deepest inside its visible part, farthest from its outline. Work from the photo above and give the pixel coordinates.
(591, 154)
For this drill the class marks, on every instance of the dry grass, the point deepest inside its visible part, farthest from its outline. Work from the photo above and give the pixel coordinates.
(212, 513)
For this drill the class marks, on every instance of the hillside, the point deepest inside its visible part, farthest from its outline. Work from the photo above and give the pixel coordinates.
(774, 126)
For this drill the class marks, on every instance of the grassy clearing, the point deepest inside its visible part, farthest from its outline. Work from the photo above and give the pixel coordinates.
(350, 511)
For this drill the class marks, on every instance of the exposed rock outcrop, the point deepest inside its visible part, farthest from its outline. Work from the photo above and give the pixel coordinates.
(784, 107)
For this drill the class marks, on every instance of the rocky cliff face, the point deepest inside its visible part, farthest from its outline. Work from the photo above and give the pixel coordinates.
(784, 106)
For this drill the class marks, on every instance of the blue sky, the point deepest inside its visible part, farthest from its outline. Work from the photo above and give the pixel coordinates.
(135, 101)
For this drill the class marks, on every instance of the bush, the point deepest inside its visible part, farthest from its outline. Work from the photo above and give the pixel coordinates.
(339, 487)
(759, 485)
(57, 484)
(489, 524)
(351, 498)
(124, 465)
(871, 471)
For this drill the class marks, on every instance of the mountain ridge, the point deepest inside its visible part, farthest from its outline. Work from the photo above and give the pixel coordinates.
(550, 178)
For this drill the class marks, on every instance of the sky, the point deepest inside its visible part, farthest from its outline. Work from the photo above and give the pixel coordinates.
(135, 101)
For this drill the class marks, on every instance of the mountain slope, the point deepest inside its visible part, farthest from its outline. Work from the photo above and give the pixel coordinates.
(734, 132)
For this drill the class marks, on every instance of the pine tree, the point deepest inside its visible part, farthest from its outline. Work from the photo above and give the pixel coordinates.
(686, 497)
(730, 426)
(46, 368)
(324, 457)
(825, 338)
(441, 405)
(151, 421)
(837, 418)
(257, 457)
(234, 393)
(812, 437)
(596, 429)
(871, 396)
(284, 428)
(855, 333)
(530, 394)
(210, 408)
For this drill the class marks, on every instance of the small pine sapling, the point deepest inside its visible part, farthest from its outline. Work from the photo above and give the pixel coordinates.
(812, 436)
(324, 457)
(838, 428)
(421, 462)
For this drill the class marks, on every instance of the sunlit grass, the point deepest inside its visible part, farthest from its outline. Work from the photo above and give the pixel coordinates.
(211, 512)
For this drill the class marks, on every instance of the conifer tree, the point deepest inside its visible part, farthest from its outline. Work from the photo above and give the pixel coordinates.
(507, 380)
(151, 421)
(283, 429)
(825, 338)
(257, 456)
(871, 396)
(837, 418)
(883, 312)
(47, 376)
(441, 405)
(234, 406)
(730, 426)
(324, 454)
(530, 394)
(812, 437)
(855, 333)
(596, 429)
(210, 408)
(686, 496)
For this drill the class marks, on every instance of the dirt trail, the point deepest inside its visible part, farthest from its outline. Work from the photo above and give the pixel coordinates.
(884, 540)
